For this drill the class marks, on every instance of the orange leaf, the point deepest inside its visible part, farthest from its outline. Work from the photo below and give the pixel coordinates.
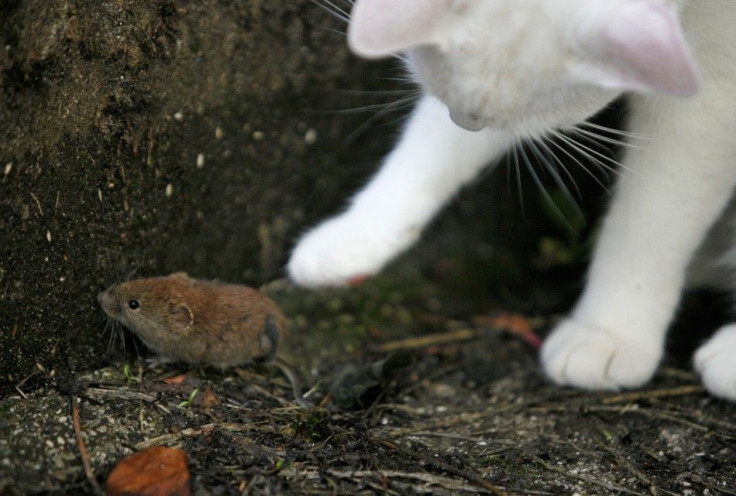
(157, 471)
(177, 379)
(515, 324)
(209, 398)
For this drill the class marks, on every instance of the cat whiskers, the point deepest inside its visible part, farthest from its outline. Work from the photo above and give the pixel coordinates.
(572, 157)
(598, 138)
(520, 151)
(517, 168)
(585, 145)
(382, 109)
(334, 9)
(405, 101)
(342, 13)
(550, 166)
(614, 131)
(601, 161)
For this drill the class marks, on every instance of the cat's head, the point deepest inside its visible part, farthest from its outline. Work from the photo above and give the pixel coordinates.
(529, 65)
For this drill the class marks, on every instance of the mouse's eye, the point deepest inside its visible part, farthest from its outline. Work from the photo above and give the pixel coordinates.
(134, 304)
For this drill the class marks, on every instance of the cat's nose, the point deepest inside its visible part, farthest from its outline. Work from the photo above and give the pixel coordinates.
(469, 121)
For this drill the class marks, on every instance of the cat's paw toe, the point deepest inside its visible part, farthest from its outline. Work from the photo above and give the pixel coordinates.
(596, 359)
(715, 363)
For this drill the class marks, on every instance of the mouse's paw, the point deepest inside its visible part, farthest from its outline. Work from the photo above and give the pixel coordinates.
(346, 250)
(715, 363)
(598, 359)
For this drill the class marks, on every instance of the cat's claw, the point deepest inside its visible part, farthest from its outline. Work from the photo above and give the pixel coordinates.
(715, 363)
(597, 359)
(358, 280)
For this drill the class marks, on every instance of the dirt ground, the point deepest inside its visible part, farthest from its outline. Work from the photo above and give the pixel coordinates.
(408, 399)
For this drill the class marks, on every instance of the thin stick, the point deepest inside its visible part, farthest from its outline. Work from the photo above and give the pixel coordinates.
(82, 448)
(656, 393)
(465, 474)
(431, 340)
(589, 480)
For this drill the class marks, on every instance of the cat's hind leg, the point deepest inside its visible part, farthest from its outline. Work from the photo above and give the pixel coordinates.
(432, 160)
(715, 361)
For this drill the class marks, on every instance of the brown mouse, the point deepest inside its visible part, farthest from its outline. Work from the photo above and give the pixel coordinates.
(197, 322)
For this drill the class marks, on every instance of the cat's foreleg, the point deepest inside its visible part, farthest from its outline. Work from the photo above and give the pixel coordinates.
(668, 196)
(432, 160)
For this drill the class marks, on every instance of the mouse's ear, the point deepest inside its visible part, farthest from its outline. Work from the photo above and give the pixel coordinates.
(181, 316)
(383, 27)
(182, 276)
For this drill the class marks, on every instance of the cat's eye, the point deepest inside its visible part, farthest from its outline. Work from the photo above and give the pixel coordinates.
(134, 304)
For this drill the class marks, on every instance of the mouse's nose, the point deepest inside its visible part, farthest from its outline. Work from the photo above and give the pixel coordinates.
(101, 296)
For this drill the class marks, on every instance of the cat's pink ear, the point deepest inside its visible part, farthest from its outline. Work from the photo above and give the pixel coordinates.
(383, 27)
(639, 45)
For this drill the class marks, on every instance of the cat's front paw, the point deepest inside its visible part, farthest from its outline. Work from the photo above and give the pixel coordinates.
(597, 359)
(345, 250)
(716, 365)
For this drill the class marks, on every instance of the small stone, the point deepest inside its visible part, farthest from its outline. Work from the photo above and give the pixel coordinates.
(200, 161)
(169, 190)
(310, 137)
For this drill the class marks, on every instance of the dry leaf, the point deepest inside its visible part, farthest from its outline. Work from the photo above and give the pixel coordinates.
(515, 324)
(178, 379)
(210, 399)
(157, 471)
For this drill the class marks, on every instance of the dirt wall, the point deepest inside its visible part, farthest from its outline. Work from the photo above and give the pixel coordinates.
(154, 136)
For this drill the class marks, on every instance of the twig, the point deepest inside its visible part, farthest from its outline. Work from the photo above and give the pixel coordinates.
(469, 476)
(656, 393)
(701, 480)
(589, 480)
(268, 394)
(205, 429)
(38, 203)
(445, 482)
(90, 473)
(22, 382)
(296, 382)
(121, 394)
(650, 413)
(431, 340)
(623, 461)
(621, 410)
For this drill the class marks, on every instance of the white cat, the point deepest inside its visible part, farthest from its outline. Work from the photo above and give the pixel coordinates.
(496, 71)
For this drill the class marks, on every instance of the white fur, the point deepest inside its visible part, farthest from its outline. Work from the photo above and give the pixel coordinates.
(419, 176)
(714, 362)
(526, 67)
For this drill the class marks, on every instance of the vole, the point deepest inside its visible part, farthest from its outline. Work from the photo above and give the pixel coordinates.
(197, 322)
(202, 322)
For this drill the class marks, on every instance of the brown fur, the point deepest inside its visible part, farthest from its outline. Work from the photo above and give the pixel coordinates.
(199, 322)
